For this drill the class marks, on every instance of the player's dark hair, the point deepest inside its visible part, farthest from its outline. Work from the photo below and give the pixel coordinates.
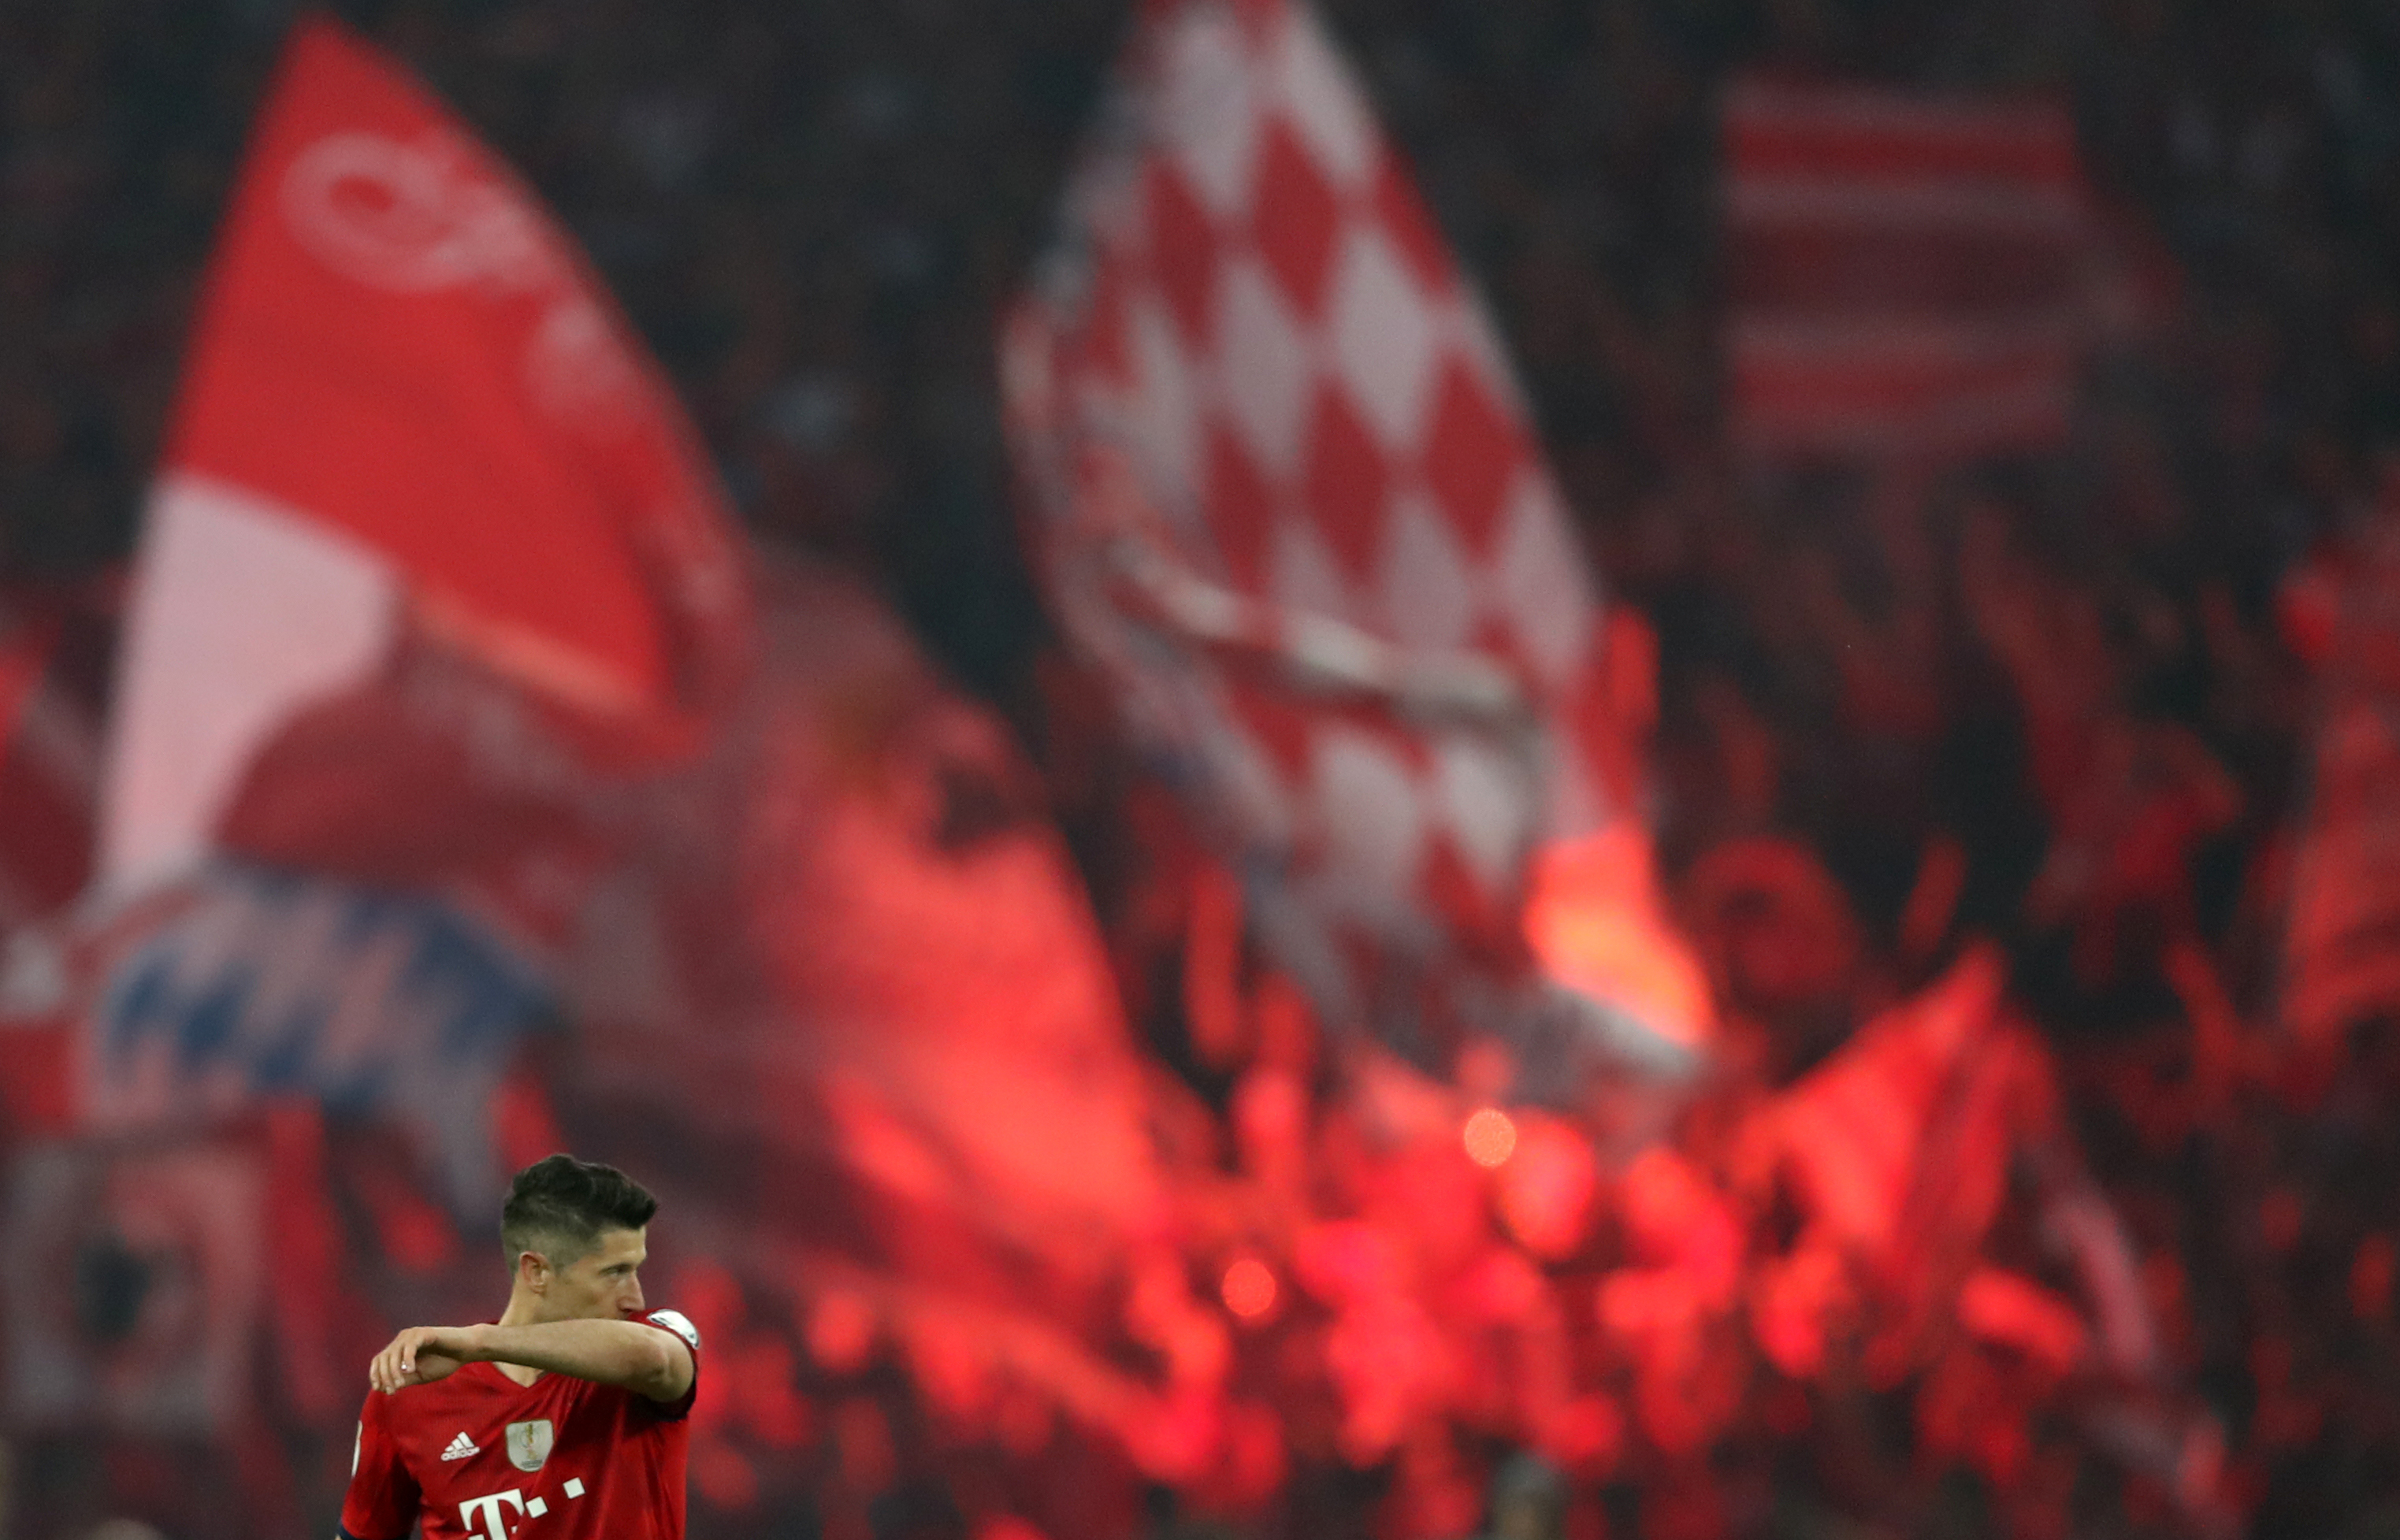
(558, 1206)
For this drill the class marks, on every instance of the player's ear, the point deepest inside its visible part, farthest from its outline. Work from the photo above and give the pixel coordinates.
(533, 1271)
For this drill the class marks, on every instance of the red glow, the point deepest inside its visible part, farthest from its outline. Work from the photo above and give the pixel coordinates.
(1490, 1137)
(1249, 1289)
(1545, 1195)
(840, 1329)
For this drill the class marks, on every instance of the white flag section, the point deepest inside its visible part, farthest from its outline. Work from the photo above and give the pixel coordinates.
(206, 682)
(1287, 496)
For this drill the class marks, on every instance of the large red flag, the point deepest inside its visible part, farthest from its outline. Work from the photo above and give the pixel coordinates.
(411, 421)
(1286, 493)
(1907, 274)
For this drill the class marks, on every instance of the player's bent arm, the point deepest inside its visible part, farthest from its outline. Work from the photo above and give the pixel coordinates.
(643, 1360)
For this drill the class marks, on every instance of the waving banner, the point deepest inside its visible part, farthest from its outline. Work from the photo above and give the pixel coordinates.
(1285, 493)
(411, 423)
(1907, 275)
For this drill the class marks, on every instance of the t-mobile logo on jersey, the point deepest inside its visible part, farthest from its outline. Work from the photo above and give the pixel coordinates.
(492, 1512)
(485, 1511)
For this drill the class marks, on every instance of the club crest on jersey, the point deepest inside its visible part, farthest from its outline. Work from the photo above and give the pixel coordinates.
(529, 1443)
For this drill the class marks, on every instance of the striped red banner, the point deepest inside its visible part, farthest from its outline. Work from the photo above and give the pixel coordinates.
(1906, 276)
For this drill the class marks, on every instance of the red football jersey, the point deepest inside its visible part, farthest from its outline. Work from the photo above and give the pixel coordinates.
(478, 1456)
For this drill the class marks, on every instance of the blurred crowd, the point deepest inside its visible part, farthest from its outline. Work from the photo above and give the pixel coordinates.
(2062, 703)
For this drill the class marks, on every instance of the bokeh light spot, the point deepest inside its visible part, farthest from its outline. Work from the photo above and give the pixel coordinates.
(1490, 1137)
(1249, 1289)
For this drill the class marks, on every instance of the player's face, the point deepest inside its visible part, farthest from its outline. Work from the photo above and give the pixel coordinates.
(605, 1284)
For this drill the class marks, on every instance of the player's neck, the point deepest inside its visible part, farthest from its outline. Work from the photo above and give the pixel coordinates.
(524, 1310)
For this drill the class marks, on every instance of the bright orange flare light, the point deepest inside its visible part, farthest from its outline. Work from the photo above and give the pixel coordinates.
(1249, 1289)
(1490, 1137)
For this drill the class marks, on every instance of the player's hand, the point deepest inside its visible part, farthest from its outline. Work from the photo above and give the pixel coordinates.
(418, 1356)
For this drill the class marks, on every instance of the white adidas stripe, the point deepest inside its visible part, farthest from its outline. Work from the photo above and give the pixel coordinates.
(460, 1448)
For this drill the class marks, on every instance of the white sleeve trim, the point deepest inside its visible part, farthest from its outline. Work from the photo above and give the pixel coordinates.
(676, 1321)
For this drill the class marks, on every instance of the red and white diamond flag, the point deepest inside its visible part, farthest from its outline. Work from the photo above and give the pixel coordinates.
(1286, 494)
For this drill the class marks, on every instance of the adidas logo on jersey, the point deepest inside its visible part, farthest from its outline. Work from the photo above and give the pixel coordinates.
(460, 1448)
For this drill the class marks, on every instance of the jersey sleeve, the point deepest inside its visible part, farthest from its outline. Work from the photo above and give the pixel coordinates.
(383, 1497)
(675, 1324)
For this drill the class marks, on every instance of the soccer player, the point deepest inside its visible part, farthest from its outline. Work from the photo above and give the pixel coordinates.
(565, 1418)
